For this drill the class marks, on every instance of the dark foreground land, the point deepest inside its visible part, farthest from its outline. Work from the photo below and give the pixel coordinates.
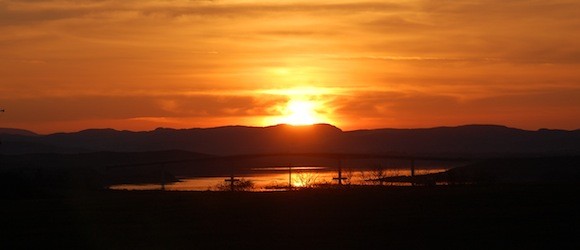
(454, 217)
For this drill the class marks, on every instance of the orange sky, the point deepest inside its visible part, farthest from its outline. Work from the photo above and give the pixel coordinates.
(140, 64)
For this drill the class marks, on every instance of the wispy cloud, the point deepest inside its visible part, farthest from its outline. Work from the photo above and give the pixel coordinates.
(379, 60)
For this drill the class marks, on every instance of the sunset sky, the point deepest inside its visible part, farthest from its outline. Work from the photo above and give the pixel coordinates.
(68, 65)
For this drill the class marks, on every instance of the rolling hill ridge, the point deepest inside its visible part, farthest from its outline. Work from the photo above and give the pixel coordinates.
(464, 141)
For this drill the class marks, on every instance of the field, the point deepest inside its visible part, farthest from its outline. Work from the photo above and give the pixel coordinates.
(451, 217)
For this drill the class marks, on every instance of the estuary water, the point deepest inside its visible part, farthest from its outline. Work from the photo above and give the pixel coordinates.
(280, 178)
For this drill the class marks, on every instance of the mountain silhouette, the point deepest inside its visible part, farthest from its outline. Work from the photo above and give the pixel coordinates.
(462, 141)
(15, 131)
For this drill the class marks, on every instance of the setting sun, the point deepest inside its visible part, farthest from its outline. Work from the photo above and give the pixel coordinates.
(189, 64)
(300, 113)
(289, 123)
(303, 106)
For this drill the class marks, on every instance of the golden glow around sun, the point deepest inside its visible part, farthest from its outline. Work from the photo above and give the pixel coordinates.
(297, 183)
(300, 112)
(304, 106)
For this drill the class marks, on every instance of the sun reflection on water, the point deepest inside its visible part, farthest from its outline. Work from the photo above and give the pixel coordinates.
(276, 179)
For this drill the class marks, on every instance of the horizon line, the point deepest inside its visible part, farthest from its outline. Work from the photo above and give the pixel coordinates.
(290, 125)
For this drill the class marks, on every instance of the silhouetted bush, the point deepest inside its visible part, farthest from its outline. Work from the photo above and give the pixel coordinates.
(241, 185)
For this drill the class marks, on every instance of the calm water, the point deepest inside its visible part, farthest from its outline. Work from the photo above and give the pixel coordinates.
(276, 179)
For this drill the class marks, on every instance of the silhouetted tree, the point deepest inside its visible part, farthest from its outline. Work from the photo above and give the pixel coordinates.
(306, 179)
(241, 185)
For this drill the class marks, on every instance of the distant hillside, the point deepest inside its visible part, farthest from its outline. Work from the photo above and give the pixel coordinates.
(468, 141)
(563, 169)
(464, 141)
(98, 169)
(15, 131)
